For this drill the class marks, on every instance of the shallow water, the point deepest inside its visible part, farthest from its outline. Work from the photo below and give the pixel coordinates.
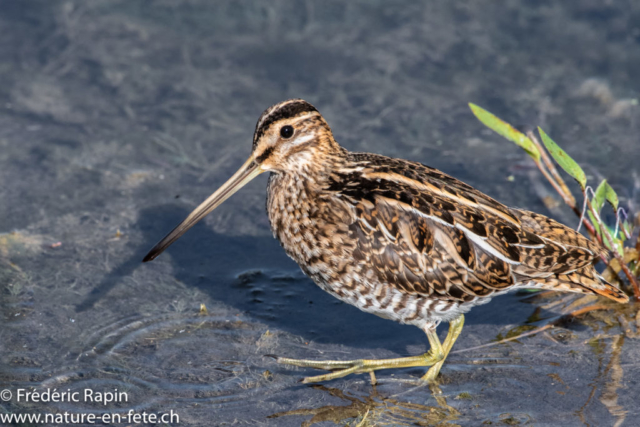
(117, 118)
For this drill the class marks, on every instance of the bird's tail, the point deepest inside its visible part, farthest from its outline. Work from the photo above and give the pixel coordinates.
(583, 281)
(563, 260)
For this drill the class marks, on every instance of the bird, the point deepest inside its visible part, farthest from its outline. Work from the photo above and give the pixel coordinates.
(397, 238)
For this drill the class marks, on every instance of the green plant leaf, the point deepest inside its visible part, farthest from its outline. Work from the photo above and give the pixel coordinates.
(598, 198)
(610, 230)
(621, 235)
(567, 163)
(505, 130)
(605, 192)
(611, 197)
(617, 243)
(619, 247)
(594, 222)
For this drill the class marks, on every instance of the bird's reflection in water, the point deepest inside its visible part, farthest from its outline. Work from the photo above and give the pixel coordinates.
(378, 410)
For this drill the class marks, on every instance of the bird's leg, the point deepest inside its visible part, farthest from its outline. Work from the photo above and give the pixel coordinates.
(455, 328)
(434, 357)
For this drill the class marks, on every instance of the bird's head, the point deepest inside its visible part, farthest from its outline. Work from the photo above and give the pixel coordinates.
(290, 136)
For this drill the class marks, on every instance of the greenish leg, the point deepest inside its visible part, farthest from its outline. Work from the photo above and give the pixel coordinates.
(434, 358)
(455, 328)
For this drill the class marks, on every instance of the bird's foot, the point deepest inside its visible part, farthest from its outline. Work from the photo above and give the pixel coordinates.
(342, 368)
(434, 358)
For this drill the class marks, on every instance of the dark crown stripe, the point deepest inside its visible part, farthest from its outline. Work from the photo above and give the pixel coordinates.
(286, 110)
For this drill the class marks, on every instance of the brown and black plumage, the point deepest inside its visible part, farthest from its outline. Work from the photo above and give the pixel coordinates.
(397, 238)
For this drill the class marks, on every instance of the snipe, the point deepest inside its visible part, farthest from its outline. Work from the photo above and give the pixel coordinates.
(396, 238)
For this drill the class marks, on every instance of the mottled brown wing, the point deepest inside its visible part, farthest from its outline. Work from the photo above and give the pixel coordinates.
(428, 233)
(421, 256)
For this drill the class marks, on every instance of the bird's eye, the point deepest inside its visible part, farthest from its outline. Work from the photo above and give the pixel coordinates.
(286, 132)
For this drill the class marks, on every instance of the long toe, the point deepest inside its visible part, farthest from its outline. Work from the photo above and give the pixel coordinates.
(327, 365)
(332, 376)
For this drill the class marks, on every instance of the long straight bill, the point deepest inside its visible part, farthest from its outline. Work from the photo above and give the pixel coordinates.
(246, 173)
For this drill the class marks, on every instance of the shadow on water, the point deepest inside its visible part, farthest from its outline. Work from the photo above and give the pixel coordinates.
(254, 275)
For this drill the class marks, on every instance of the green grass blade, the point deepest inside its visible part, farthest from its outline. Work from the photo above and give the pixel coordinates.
(563, 159)
(505, 130)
